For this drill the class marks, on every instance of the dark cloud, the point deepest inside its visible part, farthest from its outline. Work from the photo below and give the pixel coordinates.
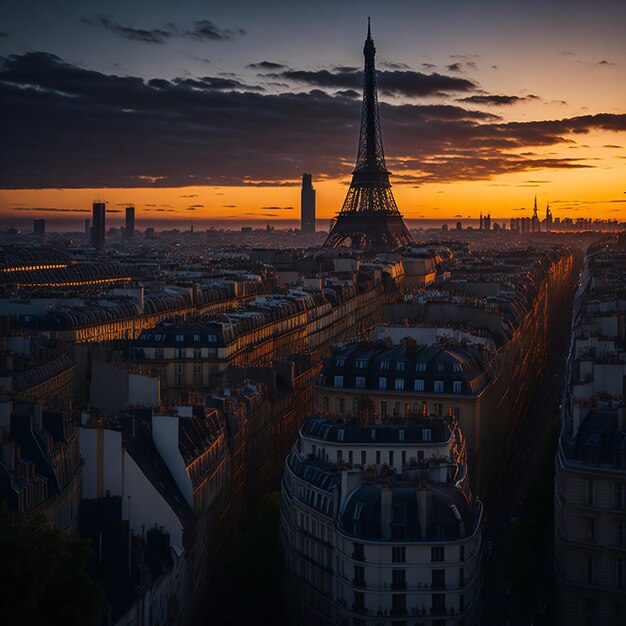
(429, 66)
(276, 208)
(191, 195)
(454, 67)
(152, 35)
(266, 65)
(611, 145)
(348, 93)
(66, 126)
(205, 30)
(51, 210)
(606, 63)
(207, 82)
(229, 206)
(196, 206)
(497, 100)
(3, 34)
(390, 82)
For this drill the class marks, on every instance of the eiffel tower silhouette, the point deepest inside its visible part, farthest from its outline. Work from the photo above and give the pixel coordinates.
(369, 219)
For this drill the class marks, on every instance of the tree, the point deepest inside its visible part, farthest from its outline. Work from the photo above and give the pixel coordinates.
(43, 578)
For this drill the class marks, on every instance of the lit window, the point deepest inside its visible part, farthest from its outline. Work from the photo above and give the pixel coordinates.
(456, 386)
(384, 365)
(401, 434)
(340, 362)
(418, 385)
(427, 434)
(399, 384)
(361, 364)
(438, 386)
(338, 381)
(400, 366)
(180, 337)
(457, 367)
(340, 434)
(420, 367)
(360, 382)
(382, 383)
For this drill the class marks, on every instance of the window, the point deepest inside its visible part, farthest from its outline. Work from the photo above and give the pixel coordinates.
(462, 553)
(384, 365)
(398, 579)
(438, 578)
(437, 554)
(359, 575)
(438, 407)
(403, 458)
(377, 457)
(197, 353)
(358, 511)
(457, 367)
(420, 367)
(619, 574)
(400, 366)
(461, 577)
(439, 602)
(358, 551)
(398, 603)
(340, 361)
(338, 381)
(339, 455)
(360, 382)
(620, 496)
(589, 570)
(401, 434)
(325, 403)
(418, 385)
(391, 457)
(350, 457)
(383, 407)
(621, 533)
(180, 337)
(438, 386)
(590, 524)
(180, 353)
(398, 554)
(382, 383)
(359, 601)
(461, 603)
(426, 434)
(196, 338)
(399, 384)
(341, 405)
(456, 386)
(373, 434)
(212, 338)
(340, 434)
(361, 364)
(589, 492)
(440, 367)
(363, 458)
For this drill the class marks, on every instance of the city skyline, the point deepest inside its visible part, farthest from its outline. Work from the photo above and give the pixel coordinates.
(481, 108)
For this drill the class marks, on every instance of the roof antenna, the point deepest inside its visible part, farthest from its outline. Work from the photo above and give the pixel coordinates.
(369, 30)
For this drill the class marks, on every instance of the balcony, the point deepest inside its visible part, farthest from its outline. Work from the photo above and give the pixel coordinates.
(399, 584)
(399, 612)
(358, 582)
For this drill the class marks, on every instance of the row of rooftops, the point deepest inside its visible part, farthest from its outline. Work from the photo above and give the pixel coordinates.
(371, 361)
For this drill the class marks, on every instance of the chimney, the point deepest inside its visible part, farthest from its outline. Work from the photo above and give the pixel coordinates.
(386, 493)
(424, 507)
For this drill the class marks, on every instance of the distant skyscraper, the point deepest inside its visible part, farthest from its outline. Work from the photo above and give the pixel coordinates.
(548, 218)
(129, 233)
(87, 227)
(39, 228)
(98, 228)
(307, 205)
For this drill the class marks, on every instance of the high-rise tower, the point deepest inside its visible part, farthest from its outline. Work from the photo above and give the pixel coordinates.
(307, 205)
(129, 231)
(369, 218)
(98, 225)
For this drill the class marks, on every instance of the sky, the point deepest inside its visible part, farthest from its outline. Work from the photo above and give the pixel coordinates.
(209, 112)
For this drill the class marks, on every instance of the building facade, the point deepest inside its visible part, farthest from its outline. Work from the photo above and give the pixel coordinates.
(379, 526)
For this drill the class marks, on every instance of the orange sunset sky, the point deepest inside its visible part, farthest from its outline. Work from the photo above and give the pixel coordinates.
(206, 117)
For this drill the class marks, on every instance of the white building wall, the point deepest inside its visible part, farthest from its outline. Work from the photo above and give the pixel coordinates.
(101, 450)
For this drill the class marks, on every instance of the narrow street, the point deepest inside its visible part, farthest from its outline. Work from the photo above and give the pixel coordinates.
(505, 502)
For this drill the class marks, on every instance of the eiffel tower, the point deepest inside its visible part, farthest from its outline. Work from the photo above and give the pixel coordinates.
(369, 219)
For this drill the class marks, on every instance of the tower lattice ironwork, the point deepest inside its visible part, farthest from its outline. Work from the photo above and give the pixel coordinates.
(370, 218)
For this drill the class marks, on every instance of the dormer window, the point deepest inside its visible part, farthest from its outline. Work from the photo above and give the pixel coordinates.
(456, 386)
(399, 384)
(338, 381)
(438, 387)
(400, 366)
(361, 364)
(401, 434)
(418, 385)
(180, 337)
(360, 382)
(384, 365)
(440, 367)
(457, 367)
(382, 383)
(420, 367)
(340, 361)
(340, 434)
(427, 434)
